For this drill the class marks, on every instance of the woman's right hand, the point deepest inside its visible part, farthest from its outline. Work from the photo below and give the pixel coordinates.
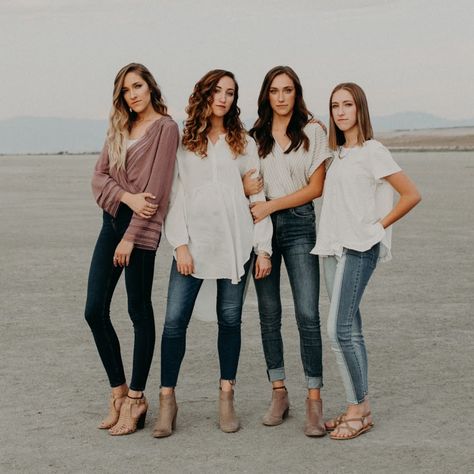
(184, 260)
(139, 205)
(252, 185)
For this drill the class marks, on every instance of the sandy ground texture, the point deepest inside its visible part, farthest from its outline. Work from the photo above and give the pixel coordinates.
(417, 312)
(435, 139)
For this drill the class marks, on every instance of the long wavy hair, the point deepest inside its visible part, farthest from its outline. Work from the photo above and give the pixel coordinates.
(198, 123)
(364, 127)
(121, 117)
(262, 129)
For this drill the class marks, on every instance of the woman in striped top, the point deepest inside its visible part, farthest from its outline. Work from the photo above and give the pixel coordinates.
(131, 183)
(292, 153)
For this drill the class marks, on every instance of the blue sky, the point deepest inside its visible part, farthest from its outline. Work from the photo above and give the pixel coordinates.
(59, 57)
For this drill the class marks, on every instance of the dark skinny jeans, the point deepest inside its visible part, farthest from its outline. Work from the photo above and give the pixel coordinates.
(103, 278)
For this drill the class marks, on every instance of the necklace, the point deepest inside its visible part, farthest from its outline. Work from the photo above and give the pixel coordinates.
(342, 152)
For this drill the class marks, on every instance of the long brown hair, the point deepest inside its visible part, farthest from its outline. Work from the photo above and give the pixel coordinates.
(364, 127)
(121, 117)
(198, 123)
(262, 129)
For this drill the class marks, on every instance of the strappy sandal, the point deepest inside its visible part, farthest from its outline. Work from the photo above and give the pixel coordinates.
(334, 422)
(353, 432)
(127, 423)
(115, 404)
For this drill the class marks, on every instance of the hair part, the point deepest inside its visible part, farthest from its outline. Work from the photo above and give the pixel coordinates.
(262, 129)
(121, 117)
(198, 123)
(364, 127)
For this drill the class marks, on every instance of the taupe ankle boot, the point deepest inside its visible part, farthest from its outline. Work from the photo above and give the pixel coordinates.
(314, 425)
(228, 421)
(279, 407)
(166, 422)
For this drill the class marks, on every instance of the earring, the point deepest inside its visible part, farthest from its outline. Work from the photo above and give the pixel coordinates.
(130, 110)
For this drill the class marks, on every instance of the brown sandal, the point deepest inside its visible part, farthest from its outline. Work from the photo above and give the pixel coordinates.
(115, 404)
(127, 423)
(353, 432)
(334, 422)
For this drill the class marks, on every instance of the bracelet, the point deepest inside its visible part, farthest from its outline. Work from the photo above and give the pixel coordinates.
(262, 253)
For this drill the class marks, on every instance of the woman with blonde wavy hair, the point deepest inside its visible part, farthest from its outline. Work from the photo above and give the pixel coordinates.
(211, 230)
(131, 183)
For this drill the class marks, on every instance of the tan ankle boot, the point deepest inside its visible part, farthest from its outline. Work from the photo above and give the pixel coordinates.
(314, 425)
(228, 421)
(166, 422)
(279, 407)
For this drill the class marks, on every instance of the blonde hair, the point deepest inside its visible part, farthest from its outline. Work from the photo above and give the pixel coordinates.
(364, 127)
(121, 117)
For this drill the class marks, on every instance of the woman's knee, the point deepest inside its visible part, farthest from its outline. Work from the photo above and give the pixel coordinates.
(230, 316)
(94, 313)
(140, 311)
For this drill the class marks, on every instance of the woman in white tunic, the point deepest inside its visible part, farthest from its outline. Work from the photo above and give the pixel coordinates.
(355, 233)
(210, 227)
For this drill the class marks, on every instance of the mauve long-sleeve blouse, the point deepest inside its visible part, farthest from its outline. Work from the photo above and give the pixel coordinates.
(149, 167)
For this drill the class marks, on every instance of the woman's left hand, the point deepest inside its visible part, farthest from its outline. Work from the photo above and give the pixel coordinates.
(263, 267)
(260, 210)
(122, 253)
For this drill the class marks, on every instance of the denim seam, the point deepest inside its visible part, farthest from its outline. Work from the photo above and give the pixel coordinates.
(351, 315)
(337, 292)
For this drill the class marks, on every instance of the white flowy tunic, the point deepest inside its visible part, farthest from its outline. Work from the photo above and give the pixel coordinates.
(210, 213)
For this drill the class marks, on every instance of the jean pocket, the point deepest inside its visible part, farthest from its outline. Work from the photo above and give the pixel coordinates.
(305, 211)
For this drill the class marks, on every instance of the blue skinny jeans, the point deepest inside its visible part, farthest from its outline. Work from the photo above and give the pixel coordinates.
(294, 236)
(346, 279)
(182, 293)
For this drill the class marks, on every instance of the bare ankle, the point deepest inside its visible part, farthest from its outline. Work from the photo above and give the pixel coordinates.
(227, 385)
(314, 393)
(120, 391)
(135, 393)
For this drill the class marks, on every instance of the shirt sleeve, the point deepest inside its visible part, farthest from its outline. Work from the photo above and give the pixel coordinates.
(263, 230)
(176, 229)
(321, 151)
(380, 161)
(145, 233)
(105, 189)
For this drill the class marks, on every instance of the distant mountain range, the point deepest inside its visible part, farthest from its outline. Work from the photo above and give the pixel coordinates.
(55, 135)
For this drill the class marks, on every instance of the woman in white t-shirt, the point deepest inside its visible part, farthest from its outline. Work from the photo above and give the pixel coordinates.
(355, 233)
(211, 230)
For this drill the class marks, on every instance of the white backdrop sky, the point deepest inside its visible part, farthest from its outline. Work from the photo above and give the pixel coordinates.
(59, 57)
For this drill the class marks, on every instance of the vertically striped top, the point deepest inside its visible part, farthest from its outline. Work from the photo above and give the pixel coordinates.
(285, 174)
(149, 168)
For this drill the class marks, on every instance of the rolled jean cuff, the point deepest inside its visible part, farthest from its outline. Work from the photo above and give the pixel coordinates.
(276, 374)
(356, 401)
(314, 382)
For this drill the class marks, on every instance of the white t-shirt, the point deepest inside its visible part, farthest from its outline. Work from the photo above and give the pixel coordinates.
(285, 173)
(355, 198)
(210, 213)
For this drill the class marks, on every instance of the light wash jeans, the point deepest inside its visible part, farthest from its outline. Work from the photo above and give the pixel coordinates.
(346, 278)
